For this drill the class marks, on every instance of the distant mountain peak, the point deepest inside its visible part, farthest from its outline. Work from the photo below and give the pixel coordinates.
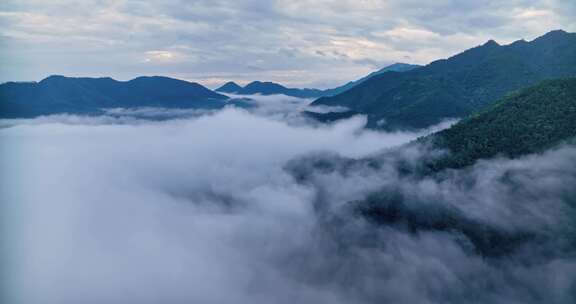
(553, 35)
(258, 82)
(399, 67)
(491, 42)
(265, 88)
(268, 88)
(519, 42)
(557, 32)
(52, 78)
(395, 67)
(229, 87)
(556, 37)
(59, 78)
(155, 78)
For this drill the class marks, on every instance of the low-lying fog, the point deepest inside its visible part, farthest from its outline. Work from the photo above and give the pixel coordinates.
(201, 209)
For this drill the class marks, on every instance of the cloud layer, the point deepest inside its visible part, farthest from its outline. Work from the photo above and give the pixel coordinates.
(110, 210)
(258, 207)
(298, 43)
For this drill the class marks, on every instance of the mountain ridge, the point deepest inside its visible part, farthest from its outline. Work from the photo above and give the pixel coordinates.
(229, 87)
(395, 67)
(60, 94)
(459, 85)
(270, 88)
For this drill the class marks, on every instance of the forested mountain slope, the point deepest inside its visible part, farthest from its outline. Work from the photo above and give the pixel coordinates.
(524, 122)
(460, 85)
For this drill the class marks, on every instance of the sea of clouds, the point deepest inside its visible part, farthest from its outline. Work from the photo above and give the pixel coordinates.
(259, 205)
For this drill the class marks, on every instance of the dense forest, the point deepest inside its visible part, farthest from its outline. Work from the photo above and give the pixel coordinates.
(524, 122)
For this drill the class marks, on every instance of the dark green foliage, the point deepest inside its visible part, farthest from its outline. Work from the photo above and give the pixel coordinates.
(460, 85)
(524, 122)
(59, 94)
(388, 208)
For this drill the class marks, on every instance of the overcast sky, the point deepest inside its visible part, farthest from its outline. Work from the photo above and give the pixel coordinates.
(314, 43)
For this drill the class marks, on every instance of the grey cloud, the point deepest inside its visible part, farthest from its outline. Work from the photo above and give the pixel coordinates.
(111, 37)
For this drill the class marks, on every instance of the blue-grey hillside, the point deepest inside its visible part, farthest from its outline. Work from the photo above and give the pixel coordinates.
(59, 94)
(271, 88)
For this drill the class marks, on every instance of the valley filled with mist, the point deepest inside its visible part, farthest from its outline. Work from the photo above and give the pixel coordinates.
(261, 205)
(256, 152)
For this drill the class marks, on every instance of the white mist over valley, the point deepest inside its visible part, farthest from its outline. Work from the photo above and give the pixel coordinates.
(206, 208)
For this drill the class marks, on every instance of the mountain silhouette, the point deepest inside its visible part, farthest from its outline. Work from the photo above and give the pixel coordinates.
(59, 94)
(229, 87)
(271, 88)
